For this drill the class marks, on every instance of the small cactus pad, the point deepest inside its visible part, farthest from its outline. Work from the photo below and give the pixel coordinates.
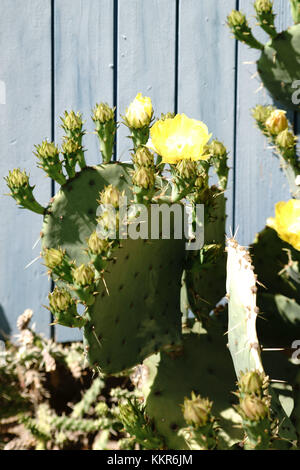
(279, 65)
(137, 308)
(204, 366)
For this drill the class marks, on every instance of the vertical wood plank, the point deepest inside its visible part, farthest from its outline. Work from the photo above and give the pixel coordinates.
(259, 181)
(84, 51)
(206, 83)
(25, 58)
(146, 58)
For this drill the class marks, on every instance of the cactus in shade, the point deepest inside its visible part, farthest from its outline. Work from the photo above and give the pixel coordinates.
(278, 62)
(263, 416)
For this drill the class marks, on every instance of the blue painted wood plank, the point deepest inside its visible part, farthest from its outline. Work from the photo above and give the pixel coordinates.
(83, 73)
(259, 181)
(146, 58)
(25, 58)
(206, 82)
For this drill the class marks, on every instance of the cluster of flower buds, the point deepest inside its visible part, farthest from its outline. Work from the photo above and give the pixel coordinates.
(138, 118)
(22, 192)
(48, 156)
(254, 407)
(64, 310)
(143, 177)
(106, 127)
(72, 152)
(72, 124)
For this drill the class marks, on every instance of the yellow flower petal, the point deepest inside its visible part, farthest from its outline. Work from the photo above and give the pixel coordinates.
(139, 112)
(179, 138)
(287, 222)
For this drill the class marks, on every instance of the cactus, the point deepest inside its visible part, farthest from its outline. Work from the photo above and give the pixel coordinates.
(277, 65)
(259, 409)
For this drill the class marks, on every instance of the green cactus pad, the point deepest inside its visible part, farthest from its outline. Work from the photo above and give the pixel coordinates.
(206, 281)
(204, 366)
(141, 314)
(279, 65)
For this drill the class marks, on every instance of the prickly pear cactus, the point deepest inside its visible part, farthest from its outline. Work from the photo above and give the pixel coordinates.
(127, 280)
(278, 65)
(245, 349)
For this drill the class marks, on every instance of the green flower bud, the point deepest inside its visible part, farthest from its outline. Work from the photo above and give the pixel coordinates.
(186, 169)
(17, 178)
(144, 178)
(262, 113)
(263, 6)
(197, 411)
(143, 157)
(98, 246)
(47, 150)
(60, 300)
(236, 18)
(277, 122)
(103, 113)
(253, 408)
(84, 275)
(217, 149)
(70, 146)
(286, 139)
(53, 257)
(110, 195)
(72, 121)
(252, 383)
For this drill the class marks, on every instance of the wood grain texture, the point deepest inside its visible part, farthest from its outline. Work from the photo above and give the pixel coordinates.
(206, 72)
(259, 181)
(146, 58)
(25, 58)
(83, 51)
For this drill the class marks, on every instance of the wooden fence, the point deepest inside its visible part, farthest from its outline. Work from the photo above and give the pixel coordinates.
(63, 54)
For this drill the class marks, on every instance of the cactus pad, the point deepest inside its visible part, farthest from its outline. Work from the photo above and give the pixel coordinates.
(132, 316)
(279, 65)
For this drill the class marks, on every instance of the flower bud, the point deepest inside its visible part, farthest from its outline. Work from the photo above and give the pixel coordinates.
(143, 157)
(72, 121)
(187, 169)
(217, 149)
(139, 113)
(286, 139)
(17, 178)
(98, 246)
(103, 113)
(262, 113)
(47, 150)
(197, 411)
(263, 6)
(84, 275)
(251, 383)
(60, 300)
(236, 18)
(144, 178)
(110, 195)
(277, 122)
(53, 257)
(70, 146)
(253, 408)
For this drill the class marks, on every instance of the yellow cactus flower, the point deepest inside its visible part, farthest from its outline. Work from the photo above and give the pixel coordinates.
(277, 122)
(139, 113)
(287, 222)
(179, 138)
